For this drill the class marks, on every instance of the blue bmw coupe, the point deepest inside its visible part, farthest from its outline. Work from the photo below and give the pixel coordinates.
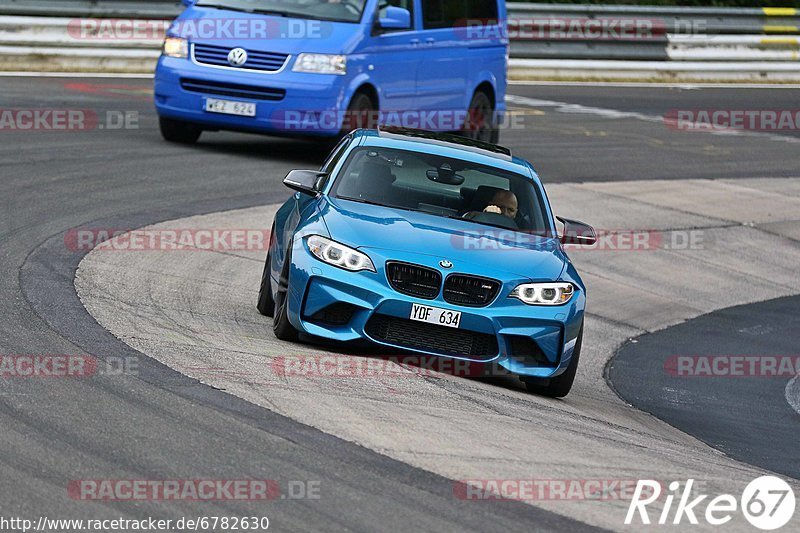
(430, 244)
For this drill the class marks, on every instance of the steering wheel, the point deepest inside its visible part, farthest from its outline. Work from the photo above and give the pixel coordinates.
(351, 5)
(494, 219)
(354, 8)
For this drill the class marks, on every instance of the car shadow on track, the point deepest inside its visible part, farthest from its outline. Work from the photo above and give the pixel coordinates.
(312, 152)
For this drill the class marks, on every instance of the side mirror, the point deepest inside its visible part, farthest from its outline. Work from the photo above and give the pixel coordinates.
(577, 233)
(304, 181)
(396, 18)
(188, 3)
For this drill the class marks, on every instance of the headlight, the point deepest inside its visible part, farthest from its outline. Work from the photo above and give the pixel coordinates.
(338, 255)
(176, 47)
(544, 293)
(321, 64)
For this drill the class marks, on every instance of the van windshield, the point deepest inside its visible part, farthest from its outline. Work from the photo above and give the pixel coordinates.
(333, 10)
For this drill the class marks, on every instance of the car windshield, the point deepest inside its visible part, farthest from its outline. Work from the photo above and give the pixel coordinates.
(443, 186)
(333, 10)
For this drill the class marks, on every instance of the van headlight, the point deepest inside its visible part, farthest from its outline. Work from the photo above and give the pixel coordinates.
(176, 47)
(544, 293)
(321, 64)
(338, 254)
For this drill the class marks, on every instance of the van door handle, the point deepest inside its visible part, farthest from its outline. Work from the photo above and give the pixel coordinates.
(430, 40)
(415, 41)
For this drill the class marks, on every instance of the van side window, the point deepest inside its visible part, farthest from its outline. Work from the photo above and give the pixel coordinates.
(438, 14)
(404, 4)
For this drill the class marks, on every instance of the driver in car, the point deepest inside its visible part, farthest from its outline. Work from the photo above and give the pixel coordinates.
(502, 203)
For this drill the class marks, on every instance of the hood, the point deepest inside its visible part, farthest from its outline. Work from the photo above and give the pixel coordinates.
(268, 33)
(474, 248)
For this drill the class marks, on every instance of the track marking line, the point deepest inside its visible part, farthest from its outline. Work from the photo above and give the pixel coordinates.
(565, 107)
(643, 84)
(109, 75)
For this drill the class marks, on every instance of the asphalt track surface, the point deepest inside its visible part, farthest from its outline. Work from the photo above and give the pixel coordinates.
(163, 425)
(762, 427)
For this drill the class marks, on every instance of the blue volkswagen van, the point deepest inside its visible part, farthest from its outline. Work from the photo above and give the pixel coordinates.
(324, 67)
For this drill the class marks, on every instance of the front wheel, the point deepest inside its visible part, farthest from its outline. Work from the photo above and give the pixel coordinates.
(361, 113)
(480, 124)
(266, 304)
(560, 386)
(178, 131)
(281, 326)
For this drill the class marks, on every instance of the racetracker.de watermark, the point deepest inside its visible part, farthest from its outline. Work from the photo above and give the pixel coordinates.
(192, 489)
(553, 28)
(66, 120)
(378, 367)
(433, 120)
(726, 120)
(618, 240)
(167, 240)
(198, 29)
(544, 489)
(64, 366)
(732, 366)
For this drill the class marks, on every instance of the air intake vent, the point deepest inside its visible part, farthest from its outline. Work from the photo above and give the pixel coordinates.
(232, 89)
(432, 338)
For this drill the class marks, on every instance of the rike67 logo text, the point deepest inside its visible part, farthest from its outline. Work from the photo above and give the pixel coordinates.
(767, 502)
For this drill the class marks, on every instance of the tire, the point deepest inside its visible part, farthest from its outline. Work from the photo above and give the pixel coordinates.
(560, 386)
(281, 326)
(266, 304)
(480, 124)
(361, 113)
(178, 131)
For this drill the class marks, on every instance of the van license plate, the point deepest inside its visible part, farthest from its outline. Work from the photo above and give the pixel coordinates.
(229, 107)
(435, 315)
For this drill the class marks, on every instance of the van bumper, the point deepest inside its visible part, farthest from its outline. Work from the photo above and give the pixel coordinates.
(312, 104)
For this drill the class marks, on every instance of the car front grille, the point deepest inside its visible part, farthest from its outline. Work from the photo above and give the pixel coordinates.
(232, 89)
(207, 54)
(471, 291)
(414, 280)
(432, 338)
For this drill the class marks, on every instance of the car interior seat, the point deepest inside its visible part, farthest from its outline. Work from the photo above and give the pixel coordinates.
(375, 182)
(481, 198)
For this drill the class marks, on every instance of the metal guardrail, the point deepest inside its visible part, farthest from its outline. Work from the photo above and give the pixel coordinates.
(538, 32)
(150, 9)
(665, 38)
(711, 20)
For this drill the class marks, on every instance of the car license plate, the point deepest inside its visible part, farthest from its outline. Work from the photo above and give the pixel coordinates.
(435, 315)
(229, 107)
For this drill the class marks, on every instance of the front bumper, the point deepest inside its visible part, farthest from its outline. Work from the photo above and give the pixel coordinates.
(535, 341)
(312, 104)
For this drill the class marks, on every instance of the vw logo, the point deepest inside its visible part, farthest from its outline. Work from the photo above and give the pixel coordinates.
(445, 264)
(237, 57)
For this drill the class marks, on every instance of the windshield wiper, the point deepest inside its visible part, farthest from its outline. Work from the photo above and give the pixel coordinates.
(271, 12)
(246, 9)
(229, 8)
(363, 201)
